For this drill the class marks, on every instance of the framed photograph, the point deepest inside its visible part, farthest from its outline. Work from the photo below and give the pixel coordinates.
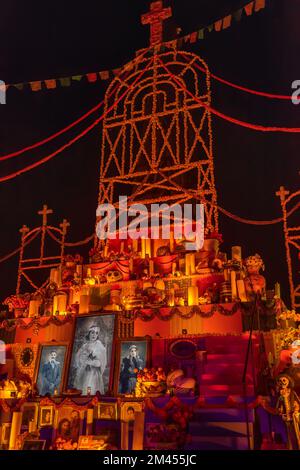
(129, 408)
(132, 355)
(68, 423)
(5, 433)
(46, 416)
(91, 360)
(34, 444)
(162, 436)
(50, 370)
(107, 410)
(30, 413)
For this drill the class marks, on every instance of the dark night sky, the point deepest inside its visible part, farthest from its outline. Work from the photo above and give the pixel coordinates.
(52, 39)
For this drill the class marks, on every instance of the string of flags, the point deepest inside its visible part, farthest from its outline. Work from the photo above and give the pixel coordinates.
(52, 83)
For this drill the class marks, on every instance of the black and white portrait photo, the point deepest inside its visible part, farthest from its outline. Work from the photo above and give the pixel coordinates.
(132, 358)
(91, 356)
(51, 369)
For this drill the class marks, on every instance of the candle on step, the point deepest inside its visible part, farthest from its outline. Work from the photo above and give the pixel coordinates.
(241, 290)
(192, 263)
(151, 267)
(277, 289)
(236, 253)
(233, 284)
(172, 240)
(193, 295)
(148, 247)
(187, 265)
(143, 243)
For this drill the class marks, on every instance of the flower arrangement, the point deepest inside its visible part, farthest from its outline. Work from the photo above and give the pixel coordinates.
(289, 315)
(150, 382)
(287, 337)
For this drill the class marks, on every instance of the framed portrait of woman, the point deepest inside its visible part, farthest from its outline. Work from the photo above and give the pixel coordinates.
(132, 355)
(51, 367)
(91, 359)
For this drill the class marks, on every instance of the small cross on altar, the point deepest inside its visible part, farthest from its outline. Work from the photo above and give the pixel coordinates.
(44, 212)
(64, 225)
(282, 193)
(155, 17)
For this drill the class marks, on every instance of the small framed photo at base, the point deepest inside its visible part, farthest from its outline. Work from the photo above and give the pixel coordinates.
(128, 410)
(108, 410)
(34, 444)
(46, 416)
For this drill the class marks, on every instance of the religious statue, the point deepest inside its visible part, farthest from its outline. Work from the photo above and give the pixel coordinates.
(255, 283)
(288, 406)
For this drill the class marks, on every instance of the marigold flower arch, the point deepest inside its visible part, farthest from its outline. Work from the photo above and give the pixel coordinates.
(158, 129)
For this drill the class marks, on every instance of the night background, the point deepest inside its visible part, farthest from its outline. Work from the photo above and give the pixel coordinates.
(55, 39)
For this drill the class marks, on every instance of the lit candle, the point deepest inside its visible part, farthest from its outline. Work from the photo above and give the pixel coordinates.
(192, 263)
(151, 267)
(277, 289)
(193, 295)
(143, 243)
(34, 306)
(236, 253)
(233, 284)
(131, 264)
(148, 247)
(172, 240)
(241, 290)
(171, 297)
(187, 265)
(174, 267)
(15, 428)
(135, 245)
(84, 301)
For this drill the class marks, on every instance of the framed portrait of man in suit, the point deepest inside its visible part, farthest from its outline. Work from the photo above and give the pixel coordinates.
(50, 370)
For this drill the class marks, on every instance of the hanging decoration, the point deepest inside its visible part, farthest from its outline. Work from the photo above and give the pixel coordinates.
(94, 77)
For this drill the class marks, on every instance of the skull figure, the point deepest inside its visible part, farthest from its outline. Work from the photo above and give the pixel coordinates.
(283, 381)
(114, 276)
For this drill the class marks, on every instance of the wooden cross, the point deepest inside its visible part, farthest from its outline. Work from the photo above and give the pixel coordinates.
(24, 230)
(282, 193)
(64, 226)
(44, 212)
(155, 17)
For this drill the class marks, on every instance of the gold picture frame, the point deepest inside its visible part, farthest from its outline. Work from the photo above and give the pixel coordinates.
(107, 411)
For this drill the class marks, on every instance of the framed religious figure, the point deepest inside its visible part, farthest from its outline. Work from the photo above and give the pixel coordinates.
(50, 370)
(132, 355)
(30, 414)
(46, 416)
(91, 360)
(108, 410)
(68, 425)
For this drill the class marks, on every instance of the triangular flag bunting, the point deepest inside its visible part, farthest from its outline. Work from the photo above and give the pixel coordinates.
(237, 15)
(66, 81)
(249, 8)
(104, 75)
(19, 86)
(36, 86)
(201, 34)
(50, 84)
(218, 25)
(77, 77)
(259, 4)
(210, 27)
(92, 77)
(193, 37)
(227, 21)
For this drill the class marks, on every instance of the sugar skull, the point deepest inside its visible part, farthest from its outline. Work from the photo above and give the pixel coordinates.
(114, 276)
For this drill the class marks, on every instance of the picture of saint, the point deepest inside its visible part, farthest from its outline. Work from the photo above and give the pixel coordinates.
(46, 416)
(91, 355)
